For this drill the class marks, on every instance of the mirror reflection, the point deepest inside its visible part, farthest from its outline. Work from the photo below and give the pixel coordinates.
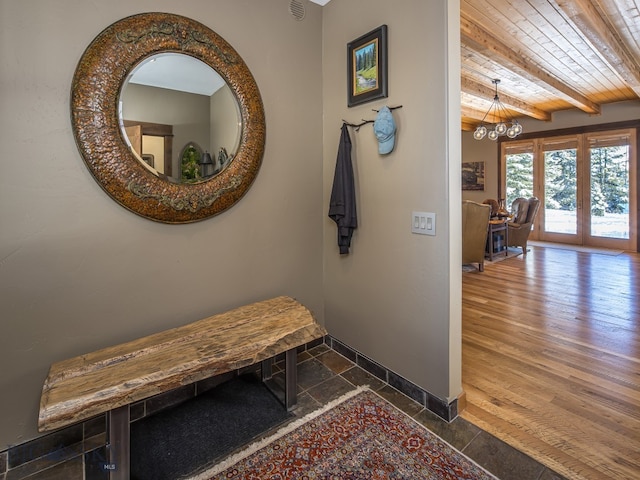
(180, 118)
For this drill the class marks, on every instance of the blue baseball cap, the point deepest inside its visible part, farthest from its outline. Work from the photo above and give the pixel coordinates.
(385, 130)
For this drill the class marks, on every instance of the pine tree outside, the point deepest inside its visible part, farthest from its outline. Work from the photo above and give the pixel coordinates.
(609, 188)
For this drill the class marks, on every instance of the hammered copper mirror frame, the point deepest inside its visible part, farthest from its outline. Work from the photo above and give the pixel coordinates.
(95, 92)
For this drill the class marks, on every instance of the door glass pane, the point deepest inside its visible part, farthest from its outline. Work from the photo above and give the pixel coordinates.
(519, 177)
(560, 191)
(609, 190)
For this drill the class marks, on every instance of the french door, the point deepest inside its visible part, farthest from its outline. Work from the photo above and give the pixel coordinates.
(586, 184)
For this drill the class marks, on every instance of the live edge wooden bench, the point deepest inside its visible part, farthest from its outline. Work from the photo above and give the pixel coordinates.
(109, 380)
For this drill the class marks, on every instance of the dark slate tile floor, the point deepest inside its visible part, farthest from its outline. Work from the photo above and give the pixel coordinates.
(324, 375)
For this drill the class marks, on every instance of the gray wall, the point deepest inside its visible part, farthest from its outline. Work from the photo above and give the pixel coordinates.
(79, 272)
(481, 151)
(396, 296)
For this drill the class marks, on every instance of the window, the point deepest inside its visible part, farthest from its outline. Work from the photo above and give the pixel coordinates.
(586, 183)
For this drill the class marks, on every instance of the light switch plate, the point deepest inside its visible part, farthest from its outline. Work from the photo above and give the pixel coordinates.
(423, 223)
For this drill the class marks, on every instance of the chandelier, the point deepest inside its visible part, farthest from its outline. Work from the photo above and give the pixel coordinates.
(505, 124)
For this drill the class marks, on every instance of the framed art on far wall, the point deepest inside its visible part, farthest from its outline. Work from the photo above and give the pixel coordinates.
(473, 176)
(367, 67)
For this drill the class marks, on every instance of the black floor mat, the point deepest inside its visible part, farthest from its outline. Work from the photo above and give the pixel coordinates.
(181, 440)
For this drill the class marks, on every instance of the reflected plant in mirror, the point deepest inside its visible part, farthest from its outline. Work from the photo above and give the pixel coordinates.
(155, 84)
(190, 160)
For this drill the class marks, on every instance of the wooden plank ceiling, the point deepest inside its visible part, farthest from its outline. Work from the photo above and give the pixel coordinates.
(549, 55)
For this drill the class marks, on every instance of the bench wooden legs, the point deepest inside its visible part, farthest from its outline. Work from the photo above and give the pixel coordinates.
(118, 444)
(289, 397)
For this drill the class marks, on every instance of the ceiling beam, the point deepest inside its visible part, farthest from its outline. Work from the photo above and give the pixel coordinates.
(600, 34)
(485, 43)
(477, 89)
(467, 126)
(479, 115)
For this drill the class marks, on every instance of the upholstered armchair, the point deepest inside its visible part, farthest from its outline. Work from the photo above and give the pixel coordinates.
(475, 223)
(524, 213)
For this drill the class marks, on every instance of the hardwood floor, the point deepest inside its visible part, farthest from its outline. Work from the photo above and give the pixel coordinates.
(551, 358)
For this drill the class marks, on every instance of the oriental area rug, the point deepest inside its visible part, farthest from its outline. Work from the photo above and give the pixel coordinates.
(357, 437)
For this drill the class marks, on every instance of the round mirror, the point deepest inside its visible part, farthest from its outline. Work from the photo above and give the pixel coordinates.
(198, 161)
(179, 117)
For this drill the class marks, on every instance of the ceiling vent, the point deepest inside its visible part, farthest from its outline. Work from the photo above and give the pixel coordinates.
(296, 8)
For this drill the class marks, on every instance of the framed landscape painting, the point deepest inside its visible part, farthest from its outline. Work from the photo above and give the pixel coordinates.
(367, 67)
(473, 176)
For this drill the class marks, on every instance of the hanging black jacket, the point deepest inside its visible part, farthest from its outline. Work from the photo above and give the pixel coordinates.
(342, 206)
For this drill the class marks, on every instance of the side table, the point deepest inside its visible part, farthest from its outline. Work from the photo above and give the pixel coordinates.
(496, 228)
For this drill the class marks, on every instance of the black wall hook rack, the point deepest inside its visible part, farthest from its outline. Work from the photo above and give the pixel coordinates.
(390, 108)
(357, 126)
